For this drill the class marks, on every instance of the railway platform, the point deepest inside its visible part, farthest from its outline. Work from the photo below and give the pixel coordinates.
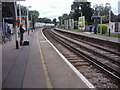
(88, 34)
(37, 66)
(108, 42)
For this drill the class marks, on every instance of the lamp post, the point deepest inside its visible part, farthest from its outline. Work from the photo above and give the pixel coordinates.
(108, 5)
(109, 21)
(32, 19)
(80, 12)
(20, 11)
(16, 26)
(99, 9)
(27, 18)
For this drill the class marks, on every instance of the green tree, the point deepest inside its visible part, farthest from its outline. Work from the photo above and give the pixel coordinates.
(33, 16)
(87, 11)
(54, 21)
(60, 20)
(63, 18)
(75, 10)
(81, 7)
(100, 10)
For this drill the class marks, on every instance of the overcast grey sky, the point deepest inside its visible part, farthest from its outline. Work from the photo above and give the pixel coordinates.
(54, 8)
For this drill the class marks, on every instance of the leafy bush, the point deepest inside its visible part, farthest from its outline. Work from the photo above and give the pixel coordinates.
(104, 28)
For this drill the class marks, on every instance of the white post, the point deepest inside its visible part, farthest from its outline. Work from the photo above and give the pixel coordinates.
(31, 21)
(16, 28)
(109, 29)
(20, 12)
(27, 22)
(3, 22)
(27, 18)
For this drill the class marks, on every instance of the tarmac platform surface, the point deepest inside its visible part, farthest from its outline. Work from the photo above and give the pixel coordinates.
(36, 66)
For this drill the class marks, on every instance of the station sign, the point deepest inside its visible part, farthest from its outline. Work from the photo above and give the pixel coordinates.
(66, 24)
(21, 18)
(71, 23)
(81, 23)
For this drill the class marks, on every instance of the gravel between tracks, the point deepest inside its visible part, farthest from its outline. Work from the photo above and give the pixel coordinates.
(97, 77)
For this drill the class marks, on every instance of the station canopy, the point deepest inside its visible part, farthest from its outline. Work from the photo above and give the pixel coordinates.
(8, 8)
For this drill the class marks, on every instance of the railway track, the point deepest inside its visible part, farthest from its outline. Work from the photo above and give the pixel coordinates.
(86, 59)
(98, 46)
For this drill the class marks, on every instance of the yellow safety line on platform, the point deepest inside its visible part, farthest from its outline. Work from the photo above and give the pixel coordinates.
(49, 84)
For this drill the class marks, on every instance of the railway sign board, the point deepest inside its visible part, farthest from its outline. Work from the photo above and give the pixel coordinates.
(81, 23)
(71, 23)
(66, 24)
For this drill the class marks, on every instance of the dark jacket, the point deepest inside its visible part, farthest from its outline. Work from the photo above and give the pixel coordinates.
(21, 30)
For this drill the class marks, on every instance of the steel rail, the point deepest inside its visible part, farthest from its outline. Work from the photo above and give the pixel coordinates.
(100, 47)
(102, 66)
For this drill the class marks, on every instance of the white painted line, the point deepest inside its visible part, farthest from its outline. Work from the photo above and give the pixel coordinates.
(71, 66)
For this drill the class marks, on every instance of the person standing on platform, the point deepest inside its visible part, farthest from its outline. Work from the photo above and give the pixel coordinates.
(90, 29)
(9, 32)
(21, 34)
